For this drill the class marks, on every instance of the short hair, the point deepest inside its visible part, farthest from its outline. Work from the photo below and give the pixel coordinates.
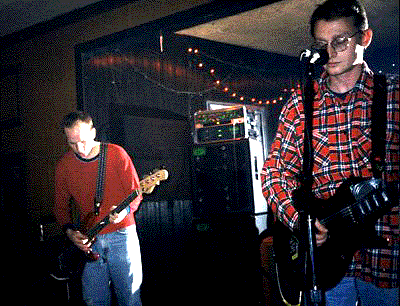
(336, 9)
(73, 117)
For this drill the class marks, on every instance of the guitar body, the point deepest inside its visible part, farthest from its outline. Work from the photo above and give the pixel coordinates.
(71, 261)
(351, 227)
(289, 271)
(334, 257)
(332, 260)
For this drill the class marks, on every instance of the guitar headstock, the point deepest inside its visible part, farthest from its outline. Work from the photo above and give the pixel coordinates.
(148, 184)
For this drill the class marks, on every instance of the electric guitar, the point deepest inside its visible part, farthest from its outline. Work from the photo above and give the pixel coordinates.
(72, 259)
(350, 220)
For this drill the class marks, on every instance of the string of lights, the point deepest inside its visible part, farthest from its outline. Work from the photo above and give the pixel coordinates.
(112, 62)
(223, 86)
(202, 64)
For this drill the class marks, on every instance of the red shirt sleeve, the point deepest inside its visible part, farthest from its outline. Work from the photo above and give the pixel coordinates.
(280, 171)
(129, 177)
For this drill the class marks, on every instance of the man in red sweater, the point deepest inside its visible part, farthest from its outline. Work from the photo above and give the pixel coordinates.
(117, 244)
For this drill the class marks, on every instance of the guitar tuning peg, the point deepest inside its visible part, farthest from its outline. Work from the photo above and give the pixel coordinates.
(145, 176)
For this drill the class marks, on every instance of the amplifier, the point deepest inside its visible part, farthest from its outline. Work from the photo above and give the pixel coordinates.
(232, 123)
(226, 180)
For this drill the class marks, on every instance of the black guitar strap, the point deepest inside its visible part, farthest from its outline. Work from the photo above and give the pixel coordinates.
(379, 125)
(101, 173)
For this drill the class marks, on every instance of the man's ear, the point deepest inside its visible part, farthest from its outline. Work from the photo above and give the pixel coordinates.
(94, 132)
(366, 37)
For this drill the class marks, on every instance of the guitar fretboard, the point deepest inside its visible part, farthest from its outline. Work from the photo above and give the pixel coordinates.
(91, 233)
(368, 207)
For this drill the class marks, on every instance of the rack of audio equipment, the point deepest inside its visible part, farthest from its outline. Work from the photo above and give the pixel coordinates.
(228, 154)
(230, 123)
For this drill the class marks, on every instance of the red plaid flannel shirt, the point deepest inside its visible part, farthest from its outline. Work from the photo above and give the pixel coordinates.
(342, 147)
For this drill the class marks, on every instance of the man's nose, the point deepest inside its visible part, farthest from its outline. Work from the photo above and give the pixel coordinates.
(331, 51)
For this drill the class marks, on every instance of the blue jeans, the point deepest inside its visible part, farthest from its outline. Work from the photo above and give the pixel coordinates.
(119, 264)
(350, 290)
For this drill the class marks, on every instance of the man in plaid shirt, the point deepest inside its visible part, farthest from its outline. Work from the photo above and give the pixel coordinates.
(342, 148)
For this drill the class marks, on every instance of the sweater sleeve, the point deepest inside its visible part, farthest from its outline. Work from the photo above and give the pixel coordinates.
(129, 178)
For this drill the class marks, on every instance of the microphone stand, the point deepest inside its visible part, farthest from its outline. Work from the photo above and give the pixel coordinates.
(312, 293)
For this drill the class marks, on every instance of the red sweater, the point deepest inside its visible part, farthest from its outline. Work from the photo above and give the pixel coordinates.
(76, 177)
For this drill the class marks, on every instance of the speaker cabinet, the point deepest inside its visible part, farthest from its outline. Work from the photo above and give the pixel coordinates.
(226, 178)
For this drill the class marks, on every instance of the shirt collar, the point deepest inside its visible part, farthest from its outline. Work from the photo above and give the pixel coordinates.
(363, 84)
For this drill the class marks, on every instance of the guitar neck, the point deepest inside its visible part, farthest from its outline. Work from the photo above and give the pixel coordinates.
(146, 186)
(91, 233)
(372, 206)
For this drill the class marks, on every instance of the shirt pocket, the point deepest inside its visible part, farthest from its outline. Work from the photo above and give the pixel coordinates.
(321, 153)
(361, 142)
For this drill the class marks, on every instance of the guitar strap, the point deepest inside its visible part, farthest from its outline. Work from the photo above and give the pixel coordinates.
(101, 173)
(378, 125)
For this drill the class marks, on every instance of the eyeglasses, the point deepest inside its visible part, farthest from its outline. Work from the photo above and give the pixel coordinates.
(339, 43)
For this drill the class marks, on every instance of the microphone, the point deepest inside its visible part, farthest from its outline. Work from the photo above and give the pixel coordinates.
(314, 56)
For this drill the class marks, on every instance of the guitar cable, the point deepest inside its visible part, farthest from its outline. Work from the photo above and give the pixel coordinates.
(280, 290)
